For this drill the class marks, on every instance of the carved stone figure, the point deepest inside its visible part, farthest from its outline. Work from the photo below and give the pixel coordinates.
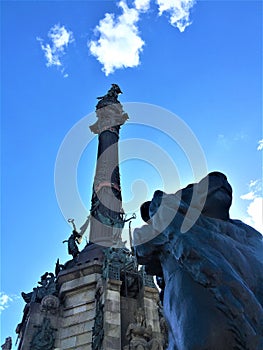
(153, 343)
(139, 336)
(8, 344)
(50, 304)
(136, 332)
(213, 272)
(44, 337)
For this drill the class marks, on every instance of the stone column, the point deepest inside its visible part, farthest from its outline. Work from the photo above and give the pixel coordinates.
(150, 303)
(77, 292)
(106, 221)
(112, 315)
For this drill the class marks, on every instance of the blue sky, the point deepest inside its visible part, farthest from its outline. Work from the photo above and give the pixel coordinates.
(200, 65)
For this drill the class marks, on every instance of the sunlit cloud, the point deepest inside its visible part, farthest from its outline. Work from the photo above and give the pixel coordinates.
(254, 190)
(178, 12)
(118, 42)
(60, 38)
(5, 301)
(248, 196)
(255, 184)
(260, 145)
(142, 5)
(254, 216)
(254, 210)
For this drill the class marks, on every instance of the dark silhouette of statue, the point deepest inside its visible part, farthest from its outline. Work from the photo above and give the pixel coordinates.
(75, 238)
(47, 286)
(110, 97)
(109, 112)
(212, 273)
(72, 245)
(8, 344)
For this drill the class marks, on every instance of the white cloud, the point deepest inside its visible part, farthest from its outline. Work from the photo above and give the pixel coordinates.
(178, 10)
(255, 214)
(4, 301)
(248, 196)
(142, 5)
(51, 56)
(119, 43)
(260, 145)
(255, 188)
(255, 207)
(255, 183)
(60, 38)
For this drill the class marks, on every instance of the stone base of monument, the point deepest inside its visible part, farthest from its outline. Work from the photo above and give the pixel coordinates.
(95, 306)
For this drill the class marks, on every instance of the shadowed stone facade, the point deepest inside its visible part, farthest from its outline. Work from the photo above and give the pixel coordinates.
(90, 311)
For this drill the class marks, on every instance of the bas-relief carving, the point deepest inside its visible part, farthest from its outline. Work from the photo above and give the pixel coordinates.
(44, 338)
(140, 336)
(50, 304)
